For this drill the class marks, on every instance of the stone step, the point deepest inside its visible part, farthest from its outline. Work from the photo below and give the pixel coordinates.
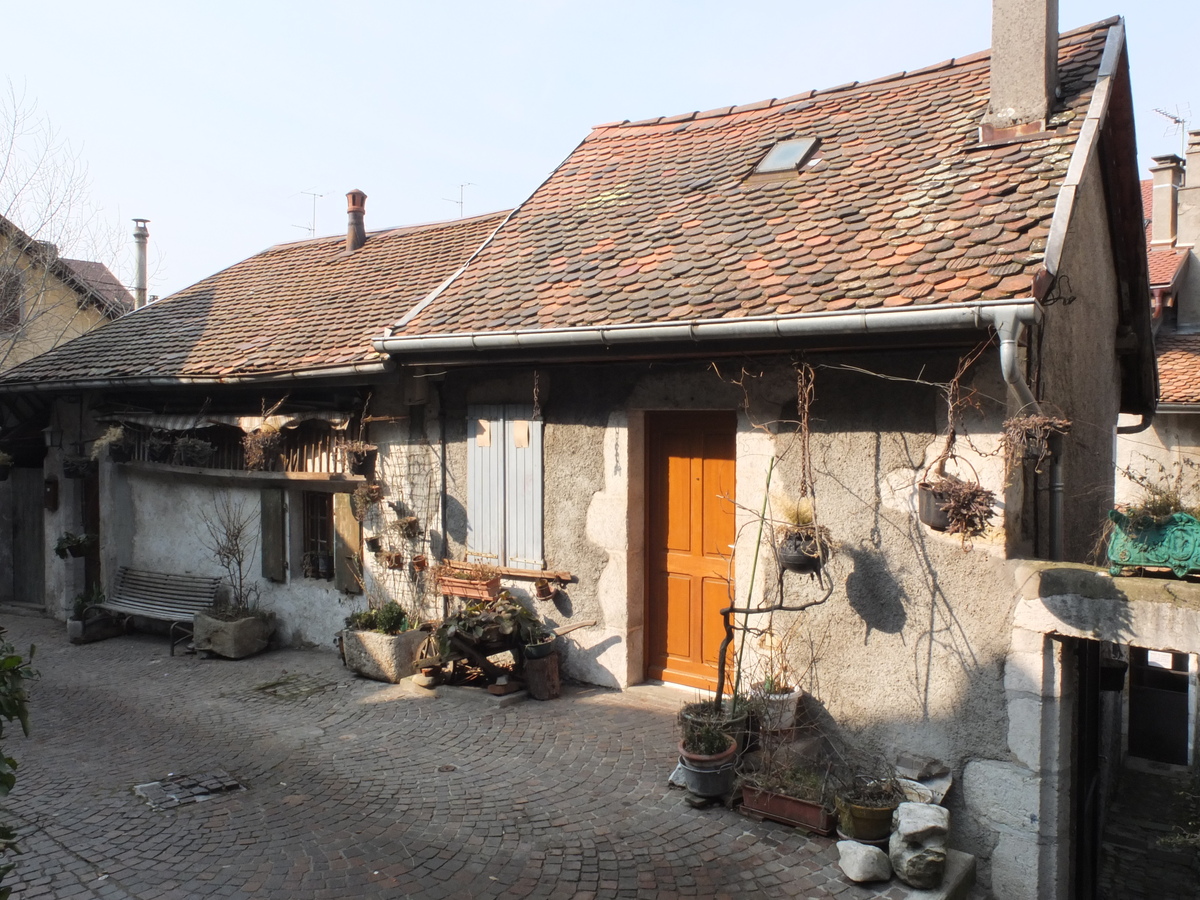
(958, 882)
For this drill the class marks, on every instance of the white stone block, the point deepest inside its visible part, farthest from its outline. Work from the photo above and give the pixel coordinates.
(1025, 731)
(1003, 796)
(1015, 868)
(1023, 673)
(1026, 641)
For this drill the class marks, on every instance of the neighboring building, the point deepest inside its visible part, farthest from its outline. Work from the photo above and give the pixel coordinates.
(45, 301)
(604, 382)
(1169, 451)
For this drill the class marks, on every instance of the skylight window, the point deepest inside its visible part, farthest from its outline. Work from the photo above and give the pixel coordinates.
(787, 156)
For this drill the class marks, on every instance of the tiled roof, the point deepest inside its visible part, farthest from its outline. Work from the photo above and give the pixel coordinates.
(1178, 368)
(294, 307)
(1163, 263)
(656, 221)
(104, 283)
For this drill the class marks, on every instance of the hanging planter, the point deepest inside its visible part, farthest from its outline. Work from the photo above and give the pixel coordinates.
(393, 559)
(193, 452)
(78, 466)
(359, 457)
(158, 448)
(953, 505)
(931, 506)
(420, 563)
(543, 589)
(261, 448)
(374, 544)
(803, 548)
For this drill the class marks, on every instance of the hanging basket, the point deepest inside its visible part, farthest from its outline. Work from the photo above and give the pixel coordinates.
(931, 506)
(801, 550)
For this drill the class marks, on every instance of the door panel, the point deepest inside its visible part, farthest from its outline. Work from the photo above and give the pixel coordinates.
(690, 530)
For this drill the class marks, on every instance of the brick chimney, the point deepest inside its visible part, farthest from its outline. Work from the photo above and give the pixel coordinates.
(356, 232)
(1164, 204)
(1024, 76)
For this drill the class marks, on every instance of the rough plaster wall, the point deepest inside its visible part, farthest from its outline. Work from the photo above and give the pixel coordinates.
(1159, 453)
(169, 535)
(409, 469)
(65, 578)
(1079, 371)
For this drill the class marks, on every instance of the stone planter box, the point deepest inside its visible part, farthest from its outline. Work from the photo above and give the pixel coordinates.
(232, 640)
(97, 628)
(382, 657)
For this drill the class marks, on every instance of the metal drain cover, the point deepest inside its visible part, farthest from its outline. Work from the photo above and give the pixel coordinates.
(177, 790)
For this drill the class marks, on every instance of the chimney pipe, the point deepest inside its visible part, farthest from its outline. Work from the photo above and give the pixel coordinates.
(1024, 73)
(141, 237)
(1164, 204)
(356, 233)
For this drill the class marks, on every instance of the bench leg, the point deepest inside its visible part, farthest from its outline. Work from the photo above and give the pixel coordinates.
(184, 627)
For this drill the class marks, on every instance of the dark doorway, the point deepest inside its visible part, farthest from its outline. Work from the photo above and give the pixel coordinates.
(1158, 706)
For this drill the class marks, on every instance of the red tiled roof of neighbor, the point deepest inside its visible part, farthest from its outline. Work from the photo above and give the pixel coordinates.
(102, 282)
(658, 221)
(1163, 263)
(294, 307)
(1178, 368)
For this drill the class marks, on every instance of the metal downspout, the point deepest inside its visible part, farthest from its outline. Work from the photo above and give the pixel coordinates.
(1009, 327)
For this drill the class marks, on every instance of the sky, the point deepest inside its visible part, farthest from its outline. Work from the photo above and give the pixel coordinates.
(220, 121)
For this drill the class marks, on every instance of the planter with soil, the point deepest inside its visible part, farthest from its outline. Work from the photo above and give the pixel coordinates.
(235, 639)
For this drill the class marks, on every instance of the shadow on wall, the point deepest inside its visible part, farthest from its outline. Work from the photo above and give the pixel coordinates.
(874, 592)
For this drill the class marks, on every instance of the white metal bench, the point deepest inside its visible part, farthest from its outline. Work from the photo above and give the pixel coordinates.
(161, 596)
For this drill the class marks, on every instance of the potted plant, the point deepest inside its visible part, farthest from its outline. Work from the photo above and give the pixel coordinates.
(193, 452)
(158, 447)
(84, 629)
(467, 580)
(539, 642)
(776, 696)
(865, 804)
(362, 500)
(543, 589)
(706, 755)
(1161, 530)
(392, 559)
(358, 455)
(235, 627)
(732, 717)
(6, 462)
(382, 642)
(801, 545)
(261, 448)
(420, 563)
(955, 506)
(114, 443)
(70, 544)
(490, 624)
(791, 793)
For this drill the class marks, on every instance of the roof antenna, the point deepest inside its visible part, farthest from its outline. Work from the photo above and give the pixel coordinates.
(1180, 127)
(311, 229)
(461, 192)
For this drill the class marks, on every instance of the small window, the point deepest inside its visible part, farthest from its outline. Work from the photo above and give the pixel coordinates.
(10, 301)
(317, 561)
(787, 156)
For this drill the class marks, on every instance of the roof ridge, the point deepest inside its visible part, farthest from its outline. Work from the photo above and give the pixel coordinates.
(944, 65)
(419, 226)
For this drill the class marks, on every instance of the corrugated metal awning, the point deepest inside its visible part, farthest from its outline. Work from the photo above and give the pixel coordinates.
(337, 420)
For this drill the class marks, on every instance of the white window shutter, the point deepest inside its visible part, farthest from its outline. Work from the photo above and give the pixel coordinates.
(522, 488)
(485, 484)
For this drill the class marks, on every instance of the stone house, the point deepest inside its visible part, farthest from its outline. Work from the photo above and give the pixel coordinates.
(612, 381)
(45, 300)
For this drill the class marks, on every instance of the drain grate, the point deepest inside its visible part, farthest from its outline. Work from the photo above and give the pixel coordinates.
(177, 790)
(294, 687)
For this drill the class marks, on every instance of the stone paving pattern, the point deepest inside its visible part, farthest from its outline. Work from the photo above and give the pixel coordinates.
(362, 789)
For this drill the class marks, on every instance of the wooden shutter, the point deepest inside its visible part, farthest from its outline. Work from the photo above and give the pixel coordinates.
(522, 488)
(347, 546)
(485, 484)
(274, 534)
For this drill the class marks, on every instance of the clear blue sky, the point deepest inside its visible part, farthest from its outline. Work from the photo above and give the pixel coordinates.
(212, 118)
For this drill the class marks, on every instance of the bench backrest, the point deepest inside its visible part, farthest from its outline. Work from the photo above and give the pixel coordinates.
(161, 595)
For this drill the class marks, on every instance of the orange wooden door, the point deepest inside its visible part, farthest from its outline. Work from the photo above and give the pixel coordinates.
(690, 530)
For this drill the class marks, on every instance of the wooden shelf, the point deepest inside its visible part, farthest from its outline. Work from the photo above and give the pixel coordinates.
(310, 481)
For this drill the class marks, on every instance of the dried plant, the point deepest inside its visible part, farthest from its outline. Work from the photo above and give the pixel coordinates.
(232, 537)
(261, 447)
(968, 505)
(1028, 437)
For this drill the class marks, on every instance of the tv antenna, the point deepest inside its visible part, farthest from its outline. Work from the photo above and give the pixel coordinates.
(462, 188)
(311, 228)
(1180, 126)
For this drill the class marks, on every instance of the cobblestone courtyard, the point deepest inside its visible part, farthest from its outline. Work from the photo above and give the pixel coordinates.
(359, 789)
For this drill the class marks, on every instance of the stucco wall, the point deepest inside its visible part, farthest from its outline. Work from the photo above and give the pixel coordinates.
(1079, 372)
(1166, 454)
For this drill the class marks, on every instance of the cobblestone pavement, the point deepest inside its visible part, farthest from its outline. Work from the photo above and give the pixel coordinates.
(361, 789)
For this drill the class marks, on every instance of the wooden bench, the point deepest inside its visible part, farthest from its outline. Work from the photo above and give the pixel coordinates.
(174, 599)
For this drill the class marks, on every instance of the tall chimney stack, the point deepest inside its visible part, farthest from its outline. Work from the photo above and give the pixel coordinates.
(141, 238)
(1164, 202)
(1024, 76)
(356, 232)
(1189, 197)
